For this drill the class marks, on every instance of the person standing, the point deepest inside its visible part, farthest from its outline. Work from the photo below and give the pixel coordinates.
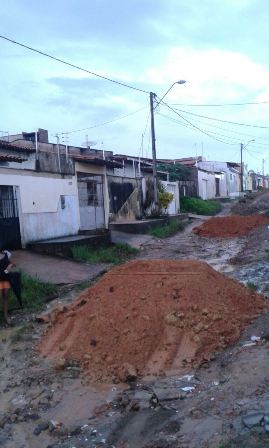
(5, 266)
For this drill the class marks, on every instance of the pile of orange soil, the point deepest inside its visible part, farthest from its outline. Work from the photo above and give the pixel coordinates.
(149, 317)
(230, 226)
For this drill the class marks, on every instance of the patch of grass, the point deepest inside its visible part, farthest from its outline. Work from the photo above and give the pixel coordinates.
(167, 229)
(199, 206)
(34, 294)
(252, 285)
(115, 254)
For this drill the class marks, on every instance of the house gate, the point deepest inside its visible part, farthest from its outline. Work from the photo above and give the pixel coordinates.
(10, 236)
(91, 201)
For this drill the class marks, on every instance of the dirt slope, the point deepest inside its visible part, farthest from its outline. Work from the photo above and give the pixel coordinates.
(230, 226)
(150, 317)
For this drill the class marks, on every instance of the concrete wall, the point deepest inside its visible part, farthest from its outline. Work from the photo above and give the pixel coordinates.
(29, 164)
(48, 204)
(206, 185)
(133, 207)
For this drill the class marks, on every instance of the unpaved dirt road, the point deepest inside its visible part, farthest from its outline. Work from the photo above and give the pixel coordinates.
(43, 405)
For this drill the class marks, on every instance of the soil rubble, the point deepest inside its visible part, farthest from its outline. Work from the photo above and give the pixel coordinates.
(150, 317)
(230, 226)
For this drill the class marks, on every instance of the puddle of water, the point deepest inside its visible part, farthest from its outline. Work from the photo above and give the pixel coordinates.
(256, 273)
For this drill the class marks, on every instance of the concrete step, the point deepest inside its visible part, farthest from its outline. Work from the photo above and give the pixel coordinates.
(62, 246)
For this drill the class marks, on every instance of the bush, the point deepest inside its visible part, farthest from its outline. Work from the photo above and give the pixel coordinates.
(199, 206)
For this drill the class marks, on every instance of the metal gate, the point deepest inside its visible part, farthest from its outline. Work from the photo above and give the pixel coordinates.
(91, 201)
(10, 236)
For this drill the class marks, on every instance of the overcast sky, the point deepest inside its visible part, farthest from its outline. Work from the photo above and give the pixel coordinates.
(220, 47)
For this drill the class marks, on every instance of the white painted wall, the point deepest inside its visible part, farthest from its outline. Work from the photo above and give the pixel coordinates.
(206, 185)
(41, 212)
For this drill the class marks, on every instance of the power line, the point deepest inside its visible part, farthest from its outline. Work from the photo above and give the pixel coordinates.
(222, 121)
(196, 127)
(221, 105)
(73, 65)
(104, 123)
(232, 140)
(230, 130)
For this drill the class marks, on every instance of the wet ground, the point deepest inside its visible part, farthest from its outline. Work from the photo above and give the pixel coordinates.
(51, 406)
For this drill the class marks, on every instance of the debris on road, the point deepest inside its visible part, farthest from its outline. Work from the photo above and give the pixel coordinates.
(230, 226)
(151, 317)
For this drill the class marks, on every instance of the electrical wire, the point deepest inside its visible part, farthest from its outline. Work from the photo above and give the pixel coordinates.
(198, 128)
(143, 135)
(222, 121)
(230, 130)
(237, 141)
(72, 65)
(104, 123)
(222, 105)
(232, 140)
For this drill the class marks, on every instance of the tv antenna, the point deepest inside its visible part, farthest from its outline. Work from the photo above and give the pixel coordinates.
(89, 143)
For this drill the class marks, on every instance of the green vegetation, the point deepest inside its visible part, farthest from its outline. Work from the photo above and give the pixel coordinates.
(34, 294)
(199, 206)
(176, 171)
(164, 199)
(167, 229)
(253, 286)
(115, 254)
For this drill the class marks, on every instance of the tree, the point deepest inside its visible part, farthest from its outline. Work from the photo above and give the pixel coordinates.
(176, 171)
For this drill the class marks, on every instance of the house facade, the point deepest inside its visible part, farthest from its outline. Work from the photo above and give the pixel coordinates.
(49, 190)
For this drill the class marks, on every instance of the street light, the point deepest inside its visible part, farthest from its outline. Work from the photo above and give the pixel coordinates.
(181, 81)
(241, 153)
(152, 97)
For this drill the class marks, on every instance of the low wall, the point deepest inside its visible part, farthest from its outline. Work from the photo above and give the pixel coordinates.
(147, 224)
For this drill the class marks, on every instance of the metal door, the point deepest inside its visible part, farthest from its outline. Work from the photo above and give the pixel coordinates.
(10, 236)
(91, 201)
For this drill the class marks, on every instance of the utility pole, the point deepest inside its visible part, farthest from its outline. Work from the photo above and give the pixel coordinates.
(153, 145)
(241, 171)
(263, 181)
(152, 97)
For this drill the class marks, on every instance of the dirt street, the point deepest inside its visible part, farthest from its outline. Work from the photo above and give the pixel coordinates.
(222, 404)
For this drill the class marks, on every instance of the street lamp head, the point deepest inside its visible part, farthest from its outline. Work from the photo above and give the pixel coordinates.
(181, 81)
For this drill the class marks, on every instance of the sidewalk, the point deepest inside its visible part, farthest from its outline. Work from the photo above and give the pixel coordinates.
(133, 239)
(55, 270)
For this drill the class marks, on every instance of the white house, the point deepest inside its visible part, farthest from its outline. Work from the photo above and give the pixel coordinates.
(48, 191)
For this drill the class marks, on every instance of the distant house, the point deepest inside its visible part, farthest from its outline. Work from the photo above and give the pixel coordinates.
(49, 190)
(212, 179)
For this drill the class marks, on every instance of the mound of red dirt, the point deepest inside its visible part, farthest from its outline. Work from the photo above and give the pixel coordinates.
(230, 226)
(149, 317)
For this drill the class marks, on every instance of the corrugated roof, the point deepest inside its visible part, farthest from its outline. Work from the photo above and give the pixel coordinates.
(13, 147)
(11, 158)
(94, 160)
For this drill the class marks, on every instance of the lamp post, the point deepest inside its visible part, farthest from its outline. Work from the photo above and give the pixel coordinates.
(241, 162)
(152, 97)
